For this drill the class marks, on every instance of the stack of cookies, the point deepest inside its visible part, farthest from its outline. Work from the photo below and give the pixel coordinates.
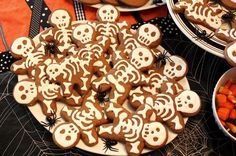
(93, 68)
(216, 15)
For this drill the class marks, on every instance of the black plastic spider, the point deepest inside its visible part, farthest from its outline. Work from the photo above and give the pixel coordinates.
(51, 48)
(228, 17)
(161, 59)
(51, 120)
(101, 97)
(108, 145)
(202, 35)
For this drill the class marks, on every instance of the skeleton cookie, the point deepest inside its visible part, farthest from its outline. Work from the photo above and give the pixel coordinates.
(125, 74)
(61, 32)
(82, 123)
(108, 24)
(24, 49)
(148, 35)
(171, 108)
(157, 83)
(228, 35)
(200, 12)
(73, 69)
(84, 36)
(132, 129)
(29, 92)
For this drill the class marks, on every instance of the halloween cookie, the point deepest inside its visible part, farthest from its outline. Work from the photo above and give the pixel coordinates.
(132, 129)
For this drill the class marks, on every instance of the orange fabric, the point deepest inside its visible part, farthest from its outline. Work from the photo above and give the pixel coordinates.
(15, 16)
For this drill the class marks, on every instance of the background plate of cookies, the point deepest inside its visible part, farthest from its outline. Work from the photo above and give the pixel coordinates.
(145, 5)
(207, 23)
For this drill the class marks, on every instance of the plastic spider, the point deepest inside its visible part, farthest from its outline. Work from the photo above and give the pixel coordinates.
(108, 145)
(202, 35)
(161, 59)
(228, 17)
(51, 120)
(101, 97)
(51, 48)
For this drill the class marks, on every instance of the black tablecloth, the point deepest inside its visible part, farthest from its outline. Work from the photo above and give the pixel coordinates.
(22, 134)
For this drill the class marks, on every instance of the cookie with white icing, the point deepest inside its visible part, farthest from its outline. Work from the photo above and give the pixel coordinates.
(27, 92)
(228, 35)
(132, 129)
(84, 122)
(200, 12)
(72, 70)
(230, 53)
(175, 68)
(229, 3)
(108, 25)
(60, 33)
(147, 35)
(125, 74)
(84, 36)
(28, 56)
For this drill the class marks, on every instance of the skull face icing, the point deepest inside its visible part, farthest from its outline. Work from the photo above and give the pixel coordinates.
(176, 68)
(148, 34)
(61, 19)
(22, 46)
(53, 71)
(83, 33)
(108, 13)
(66, 135)
(141, 58)
(152, 134)
(25, 92)
(188, 102)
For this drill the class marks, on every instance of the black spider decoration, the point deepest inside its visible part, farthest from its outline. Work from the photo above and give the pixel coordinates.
(51, 48)
(161, 59)
(202, 35)
(108, 145)
(229, 17)
(51, 120)
(101, 97)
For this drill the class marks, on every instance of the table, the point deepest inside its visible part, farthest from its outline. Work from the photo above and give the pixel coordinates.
(21, 133)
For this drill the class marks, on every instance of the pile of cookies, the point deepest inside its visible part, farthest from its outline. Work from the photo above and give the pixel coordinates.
(130, 3)
(93, 68)
(217, 15)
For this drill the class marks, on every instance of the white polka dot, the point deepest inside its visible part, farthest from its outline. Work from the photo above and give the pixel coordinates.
(1, 60)
(31, 6)
(47, 22)
(3, 68)
(3, 55)
(41, 21)
(43, 14)
(5, 62)
(46, 8)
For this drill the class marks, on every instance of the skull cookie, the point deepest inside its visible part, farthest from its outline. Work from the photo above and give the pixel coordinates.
(24, 49)
(125, 74)
(132, 129)
(61, 32)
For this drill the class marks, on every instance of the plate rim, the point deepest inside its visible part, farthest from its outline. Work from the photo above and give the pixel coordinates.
(124, 9)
